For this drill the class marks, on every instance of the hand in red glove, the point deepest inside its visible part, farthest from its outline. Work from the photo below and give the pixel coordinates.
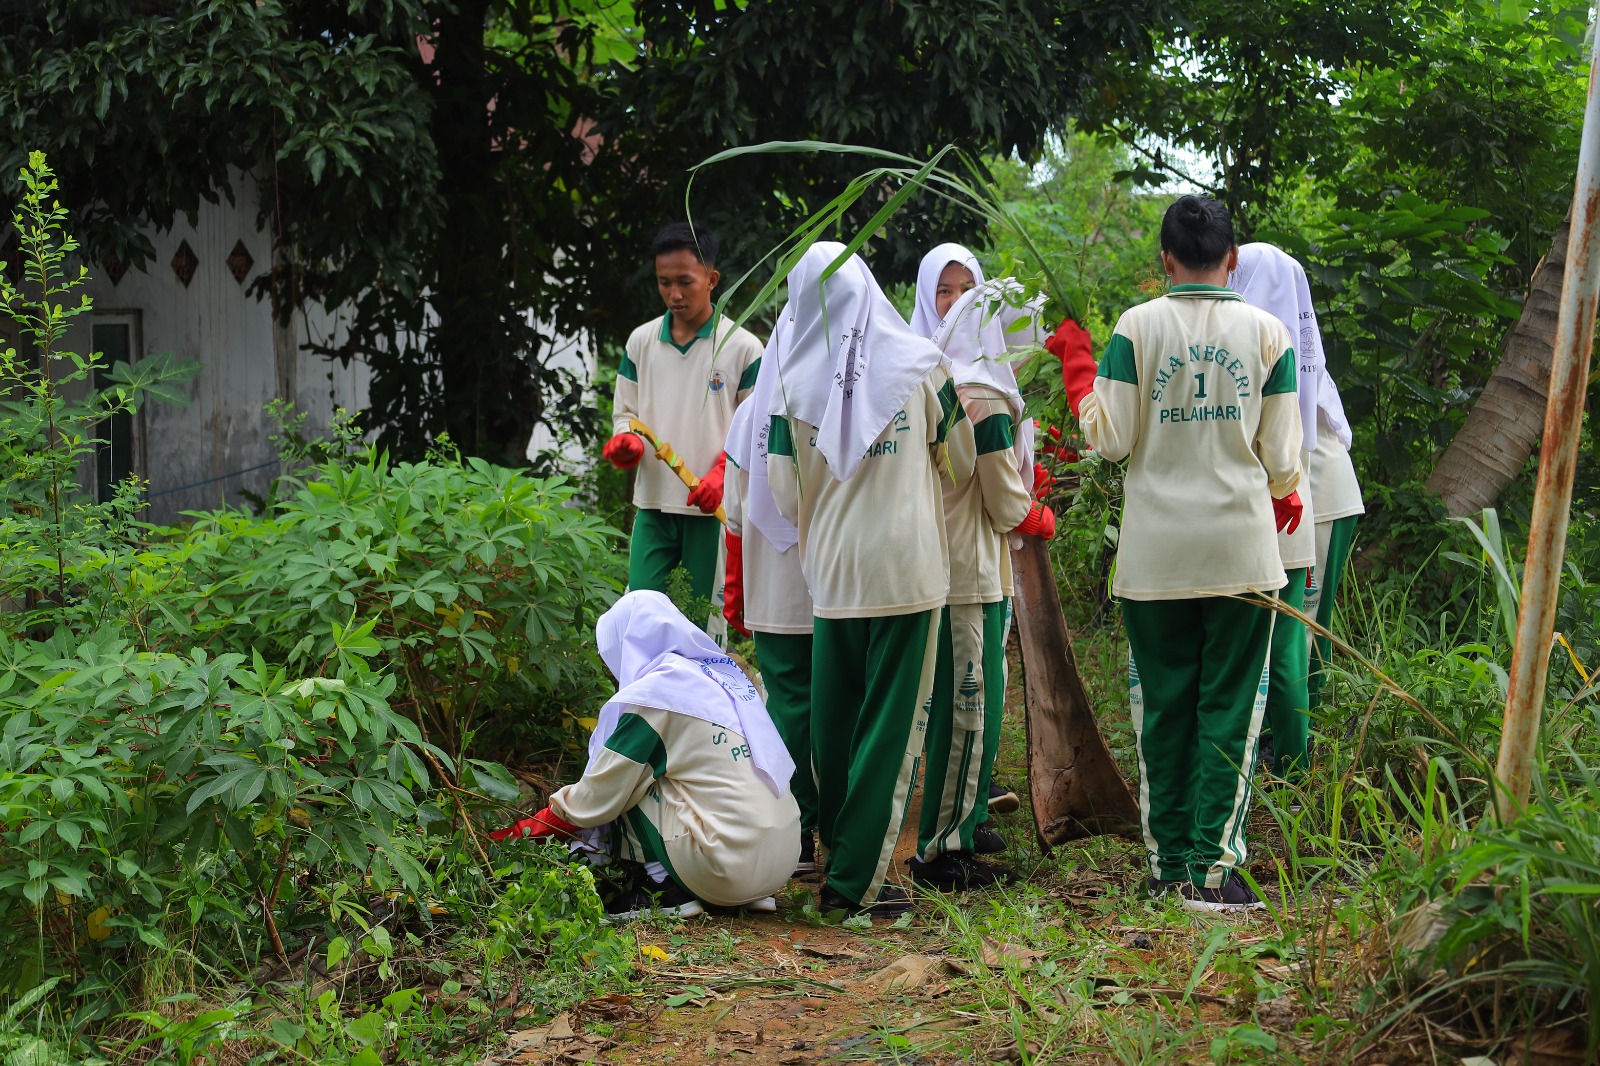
(1058, 450)
(623, 451)
(1070, 343)
(708, 494)
(1043, 481)
(544, 824)
(733, 582)
(1041, 522)
(1286, 512)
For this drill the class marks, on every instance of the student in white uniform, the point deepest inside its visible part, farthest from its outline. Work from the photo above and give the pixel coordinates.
(765, 594)
(866, 429)
(948, 272)
(964, 727)
(1269, 278)
(1333, 479)
(945, 273)
(1197, 390)
(682, 375)
(687, 775)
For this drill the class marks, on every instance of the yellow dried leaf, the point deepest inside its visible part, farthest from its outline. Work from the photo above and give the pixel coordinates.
(650, 951)
(98, 930)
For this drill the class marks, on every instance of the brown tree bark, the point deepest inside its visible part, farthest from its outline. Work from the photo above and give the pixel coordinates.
(1507, 420)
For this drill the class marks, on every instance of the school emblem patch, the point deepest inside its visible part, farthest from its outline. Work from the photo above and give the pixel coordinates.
(715, 381)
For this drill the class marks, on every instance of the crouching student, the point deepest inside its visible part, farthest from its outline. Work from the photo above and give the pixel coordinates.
(865, 428)
(687, 774)
(682, 375)
(979, 512)
(1197, 390)
(765, 594)
(1269, 278)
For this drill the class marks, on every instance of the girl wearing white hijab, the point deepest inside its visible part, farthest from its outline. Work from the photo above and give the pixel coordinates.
(944, 274)
(865, 429)
(1333, 479)
(685, 767)
(765, 592)
(964, 729)
(1269, 278)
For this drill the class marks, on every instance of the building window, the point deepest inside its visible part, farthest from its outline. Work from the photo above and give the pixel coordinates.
(117, 337)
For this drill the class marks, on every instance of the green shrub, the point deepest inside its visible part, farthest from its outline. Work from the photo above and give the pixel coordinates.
(476, 586)
(124, 774)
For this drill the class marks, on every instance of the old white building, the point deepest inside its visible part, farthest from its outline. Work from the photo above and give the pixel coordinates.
(192, 300)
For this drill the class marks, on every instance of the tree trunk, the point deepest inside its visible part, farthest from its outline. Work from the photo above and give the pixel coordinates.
(490, 400)
(1506, 422)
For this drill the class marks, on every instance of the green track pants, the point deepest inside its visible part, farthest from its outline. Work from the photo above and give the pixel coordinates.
(1337, 536)
(662, 541)
(871, 684)
(1197, 681)
(963, 727)
(1288, 705)
(785, 661)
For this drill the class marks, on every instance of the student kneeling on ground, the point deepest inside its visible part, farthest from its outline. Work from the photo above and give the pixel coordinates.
(687, 774)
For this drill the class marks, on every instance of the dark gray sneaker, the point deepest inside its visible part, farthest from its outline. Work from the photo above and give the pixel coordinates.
(892, 902)
(808, 854)
(1156, 888)
(1234, 895)
(955, 871)
(1002, 800)
(986, 841)
(667, 899)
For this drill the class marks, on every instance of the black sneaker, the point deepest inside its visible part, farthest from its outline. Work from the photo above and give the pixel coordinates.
(1234, 895)
(957, 870)
(1156, 888)
(808, 854)
(1002, 800)
(892, 902)
(986, 841)
(668, 899)
(1264, 753)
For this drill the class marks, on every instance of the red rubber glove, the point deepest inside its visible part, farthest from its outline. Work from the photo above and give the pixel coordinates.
(1058, 450)
(1070, 343)
(733, 582)
(708, 494)
(1043, 481)
(1041, 522)
(623, 451)
(544, 824)
(1286, 512)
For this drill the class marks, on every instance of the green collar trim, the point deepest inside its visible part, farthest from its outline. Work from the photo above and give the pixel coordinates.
(705, 331)
(1212, 292)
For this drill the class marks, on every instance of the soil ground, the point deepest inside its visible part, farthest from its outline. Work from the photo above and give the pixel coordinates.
(1070, 961)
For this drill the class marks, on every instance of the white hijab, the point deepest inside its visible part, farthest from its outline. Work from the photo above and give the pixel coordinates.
(663, 660)
(747, 445)
(981, 328)
(849, 362)
(925, 317)
(1270, 278)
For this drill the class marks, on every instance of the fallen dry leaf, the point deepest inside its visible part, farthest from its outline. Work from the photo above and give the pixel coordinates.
(995, 954)
(908, 971)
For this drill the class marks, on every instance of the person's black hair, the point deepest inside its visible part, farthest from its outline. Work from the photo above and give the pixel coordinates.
(1198, 231)
(679, 235)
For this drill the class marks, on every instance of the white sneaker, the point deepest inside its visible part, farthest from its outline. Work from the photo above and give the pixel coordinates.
(765, 905)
